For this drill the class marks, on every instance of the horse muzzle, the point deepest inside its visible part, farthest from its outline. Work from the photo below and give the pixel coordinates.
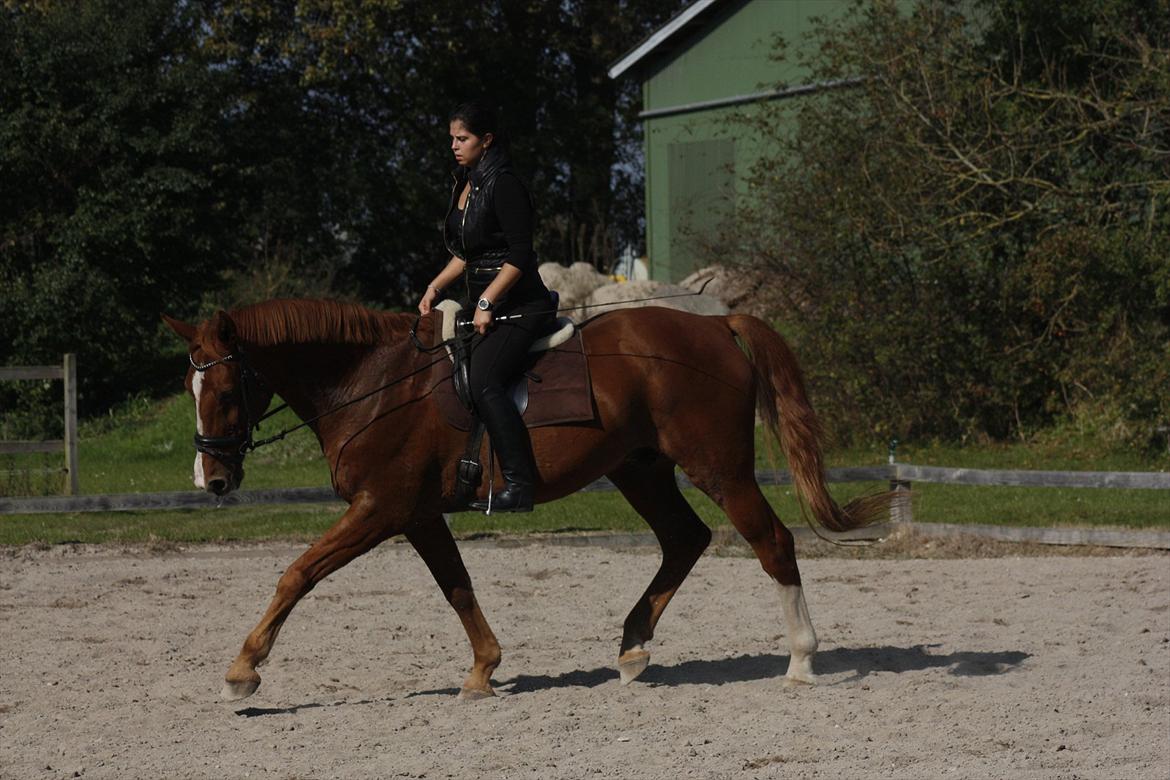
(228, 452)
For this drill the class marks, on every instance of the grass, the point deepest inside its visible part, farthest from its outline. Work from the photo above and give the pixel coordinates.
(146, 447)
(1041, 507)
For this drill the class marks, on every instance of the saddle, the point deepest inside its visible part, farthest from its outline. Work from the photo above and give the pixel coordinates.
(553, 389)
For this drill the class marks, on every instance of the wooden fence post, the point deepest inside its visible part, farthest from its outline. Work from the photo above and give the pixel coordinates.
(72, 487)
(901, 508)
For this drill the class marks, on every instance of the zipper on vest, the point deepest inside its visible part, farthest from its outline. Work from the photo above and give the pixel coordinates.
(463, 219)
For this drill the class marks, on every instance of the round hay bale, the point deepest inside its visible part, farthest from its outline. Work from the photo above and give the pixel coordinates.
(574, 283)
(733, 286)
(611, 298)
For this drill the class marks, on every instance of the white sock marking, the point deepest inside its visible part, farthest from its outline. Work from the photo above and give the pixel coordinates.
(802, 639)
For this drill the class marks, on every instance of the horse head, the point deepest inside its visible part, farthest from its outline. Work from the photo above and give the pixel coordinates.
(230, 399)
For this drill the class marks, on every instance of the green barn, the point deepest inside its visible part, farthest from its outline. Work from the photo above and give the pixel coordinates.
(712, 59)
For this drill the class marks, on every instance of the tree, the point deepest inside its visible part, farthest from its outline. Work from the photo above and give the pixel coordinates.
(974, 238)
(381, 77)
(112, 189)
(175, 156)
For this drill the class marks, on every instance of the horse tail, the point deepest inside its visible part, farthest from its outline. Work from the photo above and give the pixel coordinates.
(783, 405)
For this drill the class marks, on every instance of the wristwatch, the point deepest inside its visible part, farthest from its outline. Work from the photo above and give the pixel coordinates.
(485, 305)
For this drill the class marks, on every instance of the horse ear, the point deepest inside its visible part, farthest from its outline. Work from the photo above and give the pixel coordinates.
(223, 327)
(184, 331)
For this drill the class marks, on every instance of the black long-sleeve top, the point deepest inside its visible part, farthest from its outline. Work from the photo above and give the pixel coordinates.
(506, 226)
(514, 218)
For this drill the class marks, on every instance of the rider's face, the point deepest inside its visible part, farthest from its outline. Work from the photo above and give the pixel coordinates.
(467, 147)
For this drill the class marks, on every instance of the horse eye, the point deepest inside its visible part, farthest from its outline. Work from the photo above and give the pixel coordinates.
(225, 396)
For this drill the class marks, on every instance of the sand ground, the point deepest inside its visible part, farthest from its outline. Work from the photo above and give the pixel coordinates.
(111, 661)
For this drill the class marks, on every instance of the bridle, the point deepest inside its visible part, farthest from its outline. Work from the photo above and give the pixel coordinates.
(232, 449)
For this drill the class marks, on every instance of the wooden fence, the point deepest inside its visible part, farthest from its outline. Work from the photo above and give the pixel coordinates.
(900, 476)
(67, 372)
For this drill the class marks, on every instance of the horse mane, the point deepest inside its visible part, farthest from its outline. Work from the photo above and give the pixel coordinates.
(308, 321)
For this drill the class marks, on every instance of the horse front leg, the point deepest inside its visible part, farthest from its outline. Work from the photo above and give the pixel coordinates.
(353, 534)
(433, 541)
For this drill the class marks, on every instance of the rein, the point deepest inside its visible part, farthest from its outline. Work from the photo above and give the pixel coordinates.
(232, 449)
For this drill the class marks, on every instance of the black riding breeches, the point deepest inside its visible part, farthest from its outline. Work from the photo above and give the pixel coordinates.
(498, 358)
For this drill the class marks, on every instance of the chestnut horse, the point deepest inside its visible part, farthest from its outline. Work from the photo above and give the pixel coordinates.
(671, 389)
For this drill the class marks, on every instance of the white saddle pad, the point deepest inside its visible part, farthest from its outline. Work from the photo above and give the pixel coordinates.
(563, 333)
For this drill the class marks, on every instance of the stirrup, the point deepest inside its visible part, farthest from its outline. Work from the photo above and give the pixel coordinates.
(513, 498)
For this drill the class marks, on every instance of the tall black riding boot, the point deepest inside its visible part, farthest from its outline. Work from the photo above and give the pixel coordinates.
(513, 447)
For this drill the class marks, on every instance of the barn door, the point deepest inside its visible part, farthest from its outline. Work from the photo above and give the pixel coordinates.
(701, 180)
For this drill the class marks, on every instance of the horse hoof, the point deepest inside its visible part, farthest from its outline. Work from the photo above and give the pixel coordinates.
(234, 691)
(475, 694)
(632, 663)
(800, 672)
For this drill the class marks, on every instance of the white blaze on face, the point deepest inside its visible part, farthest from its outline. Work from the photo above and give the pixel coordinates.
(197, 390)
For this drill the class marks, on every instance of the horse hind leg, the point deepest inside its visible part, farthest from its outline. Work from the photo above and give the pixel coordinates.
(748, 510)
(652, 491)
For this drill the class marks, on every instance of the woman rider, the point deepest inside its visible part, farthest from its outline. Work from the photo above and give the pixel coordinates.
(488, 232)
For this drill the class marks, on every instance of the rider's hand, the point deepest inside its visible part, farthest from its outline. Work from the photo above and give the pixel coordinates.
(428, 301)
(482, 321)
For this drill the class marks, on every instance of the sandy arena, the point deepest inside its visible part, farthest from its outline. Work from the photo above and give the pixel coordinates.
(1037, 667)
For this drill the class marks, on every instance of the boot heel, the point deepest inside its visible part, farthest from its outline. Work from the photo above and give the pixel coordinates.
(513, 498)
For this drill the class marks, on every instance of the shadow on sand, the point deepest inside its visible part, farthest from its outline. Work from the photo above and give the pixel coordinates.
(861, 662)
(256, 712)
(745, 668)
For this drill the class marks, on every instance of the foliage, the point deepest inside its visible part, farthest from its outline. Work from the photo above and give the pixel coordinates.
(974, 237)
(174, 156)
(111, 185)
(381, 76)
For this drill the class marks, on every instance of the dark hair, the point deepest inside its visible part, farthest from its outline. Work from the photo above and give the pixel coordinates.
(480, 118)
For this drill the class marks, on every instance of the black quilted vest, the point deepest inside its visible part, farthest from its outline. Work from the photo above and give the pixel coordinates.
(480, 240)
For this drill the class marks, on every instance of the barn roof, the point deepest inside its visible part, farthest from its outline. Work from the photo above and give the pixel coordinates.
(661, 39)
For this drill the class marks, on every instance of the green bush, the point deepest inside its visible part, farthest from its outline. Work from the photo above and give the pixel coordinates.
(974, 237)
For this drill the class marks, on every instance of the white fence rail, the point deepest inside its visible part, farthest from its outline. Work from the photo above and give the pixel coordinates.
(900, 476)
